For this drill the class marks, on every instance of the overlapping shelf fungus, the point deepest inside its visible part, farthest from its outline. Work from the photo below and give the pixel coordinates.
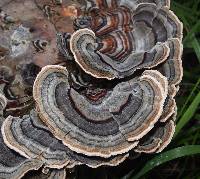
(86, 82)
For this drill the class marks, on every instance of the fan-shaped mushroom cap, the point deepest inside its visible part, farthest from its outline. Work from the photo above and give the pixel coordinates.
(168, 109)
(126, 113)
(32, 139)
(84, 47)
(158, 138)
(122, 40)
(21, 136)
(13, 165)
(172, 67)
(170, 104)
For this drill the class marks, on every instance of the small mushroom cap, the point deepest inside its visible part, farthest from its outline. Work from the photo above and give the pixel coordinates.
(158, 138)
(170, 126)
(12, 164)
(169, 109)
(126, 113)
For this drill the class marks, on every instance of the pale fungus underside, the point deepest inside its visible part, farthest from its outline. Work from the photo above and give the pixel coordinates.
(86, 83)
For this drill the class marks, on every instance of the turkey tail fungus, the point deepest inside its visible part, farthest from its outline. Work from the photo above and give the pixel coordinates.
(86, 83)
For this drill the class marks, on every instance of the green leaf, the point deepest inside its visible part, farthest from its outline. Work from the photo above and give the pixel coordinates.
(188, 99)
(190, 34)
(196, 47)
(167, 156)
(189, 113)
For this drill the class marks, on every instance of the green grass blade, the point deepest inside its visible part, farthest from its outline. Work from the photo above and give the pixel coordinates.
(196, 47)
(188, 114)
(188, 99)
(190, 34)
(167, 156)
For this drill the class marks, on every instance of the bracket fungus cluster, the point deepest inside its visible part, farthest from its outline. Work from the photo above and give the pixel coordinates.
(101, 87)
